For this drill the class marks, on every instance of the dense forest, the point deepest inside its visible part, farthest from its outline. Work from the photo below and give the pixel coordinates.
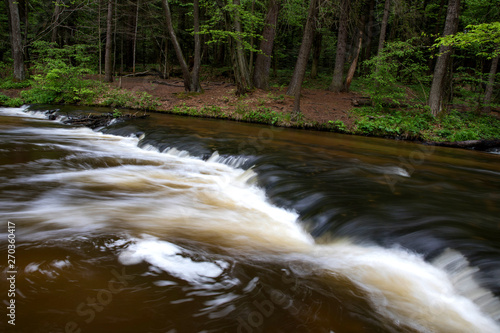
(414, 54)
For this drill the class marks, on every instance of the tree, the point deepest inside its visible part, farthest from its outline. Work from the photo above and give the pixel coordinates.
(338, 71)
(16, 41)
(191, 83)
(241, 71)
(485, 39)
(305, 48)
(263, 60)
(108, 59)
(383, 28)
(439, 80)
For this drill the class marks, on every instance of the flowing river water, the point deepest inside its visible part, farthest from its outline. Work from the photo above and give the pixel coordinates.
(172, 224)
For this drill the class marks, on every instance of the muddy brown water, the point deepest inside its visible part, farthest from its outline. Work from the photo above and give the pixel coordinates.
(176, 224)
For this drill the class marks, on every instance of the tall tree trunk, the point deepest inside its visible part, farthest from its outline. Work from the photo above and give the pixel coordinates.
(316, 54)
(383, 27)
(305, 48)
(491, 84)
(439, 80)
(108, 55)
(99, 46)
(338, 71)
(195, 74)
(263, 60)
(55, 21)
(134, 52)
(252, 41)
(242, 73)
(178, 51)
(17, 41)
(352, 68)
(369, 31)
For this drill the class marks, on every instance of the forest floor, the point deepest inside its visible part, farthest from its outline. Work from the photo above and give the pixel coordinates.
(318, 106)
(461, 126)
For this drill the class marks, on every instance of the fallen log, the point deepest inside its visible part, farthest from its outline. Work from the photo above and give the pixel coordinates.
(96, 121)
(469, 144)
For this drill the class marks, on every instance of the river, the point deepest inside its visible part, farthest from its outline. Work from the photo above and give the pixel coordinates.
(176, 224)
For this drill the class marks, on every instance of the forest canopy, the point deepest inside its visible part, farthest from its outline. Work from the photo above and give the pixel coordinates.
(444, 52)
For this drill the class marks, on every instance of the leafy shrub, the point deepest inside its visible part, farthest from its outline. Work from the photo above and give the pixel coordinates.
(9, 83)
(60, 72)
(400, 62)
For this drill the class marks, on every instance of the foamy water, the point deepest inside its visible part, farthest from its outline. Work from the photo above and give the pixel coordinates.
(151, 194)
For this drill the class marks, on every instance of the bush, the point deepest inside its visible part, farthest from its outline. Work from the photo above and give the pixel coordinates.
(400, 63)
(60, 72)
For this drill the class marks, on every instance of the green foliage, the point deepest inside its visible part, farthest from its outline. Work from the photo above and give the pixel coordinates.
(117, 113)
(3, 99)
(252, 23)
(337, 126)
(9, 83)
(14, 102)
(263, 115)
(127, 99)
(60, 74)
(400, 62)
(483, 38)
(420, 125)
(10, 102)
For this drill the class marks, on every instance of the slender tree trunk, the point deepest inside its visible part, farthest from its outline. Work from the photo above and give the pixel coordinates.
(195, 74)
(16, 40)
(440, 71)
(383, 28)
(55, 21)
(242, 73)
(338, 71)
(115, 45)
(352, 68)
(369, 31)
(108, 55)
(491, 84)
(316, 54)
(99, 38)
(263, 60)
(134, 52)
(178, 51)
(250, 61)
(305, 48)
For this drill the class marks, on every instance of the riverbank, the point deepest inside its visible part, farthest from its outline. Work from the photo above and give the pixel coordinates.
(320, 109)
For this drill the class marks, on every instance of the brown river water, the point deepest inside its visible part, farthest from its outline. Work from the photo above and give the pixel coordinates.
(174, 224)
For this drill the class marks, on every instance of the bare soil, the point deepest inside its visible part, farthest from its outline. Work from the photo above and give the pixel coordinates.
(316, 105)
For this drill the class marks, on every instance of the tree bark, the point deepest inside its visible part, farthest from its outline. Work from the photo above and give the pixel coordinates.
(57, 13)
(369, 31)
(242, 73)
(108, 55)
(316, 54)
(439, 79)
(352, 68)
(16, 40)
(263, 60)
(338, 71)
(383, 27)
(178, 51)
(491, 84)
(195, 74)
(134, 52)
(305, 48)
